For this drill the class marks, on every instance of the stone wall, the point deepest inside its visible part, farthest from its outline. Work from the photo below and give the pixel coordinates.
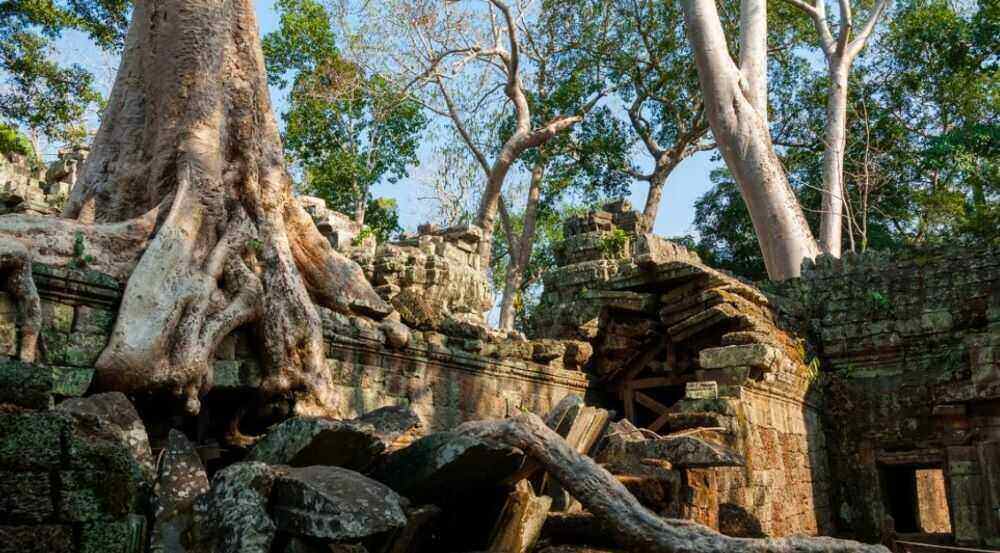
(66, 483)
(910, 353)
(683, 348)
(448, 379)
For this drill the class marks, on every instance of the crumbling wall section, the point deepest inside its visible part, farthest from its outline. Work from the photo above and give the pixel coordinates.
(684, 348)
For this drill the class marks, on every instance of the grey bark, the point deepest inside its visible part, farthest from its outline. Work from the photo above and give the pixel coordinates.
(734, 103)
(840, 52)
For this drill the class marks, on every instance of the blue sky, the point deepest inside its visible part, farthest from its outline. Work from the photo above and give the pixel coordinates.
(676, 217)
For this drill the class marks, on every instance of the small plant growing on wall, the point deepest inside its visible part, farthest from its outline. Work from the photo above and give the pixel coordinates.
(878, 302)
(614, 243)
(81, 259)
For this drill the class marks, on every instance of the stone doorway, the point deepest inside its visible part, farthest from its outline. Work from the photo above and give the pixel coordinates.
(916, 498)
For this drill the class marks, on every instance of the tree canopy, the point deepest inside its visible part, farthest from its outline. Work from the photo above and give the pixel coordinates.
(39, 93)
(346, 129)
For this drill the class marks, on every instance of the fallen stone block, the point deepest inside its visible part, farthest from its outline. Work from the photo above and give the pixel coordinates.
(393, 424)
(447, 465)
(181, 480)
(300, 442)
(353, 444)
(232, 517)
(334, 503)
(113, 416)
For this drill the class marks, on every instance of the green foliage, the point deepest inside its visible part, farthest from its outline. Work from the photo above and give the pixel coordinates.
(878, 302)
(13, 142)
(81, 259)
(38, 92)
(923, 151)
(614, 244)
(345, 129)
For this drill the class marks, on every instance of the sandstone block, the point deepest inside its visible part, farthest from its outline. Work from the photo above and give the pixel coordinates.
(447, 461)
(760, 356)
(335, 504)
(111, 416)
(232, 517)
(123, 536)
(180, 481)
(36, 539)
(25, 497)
(32, 441)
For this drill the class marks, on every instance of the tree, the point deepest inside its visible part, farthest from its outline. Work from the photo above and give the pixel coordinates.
(735, 98)
(922, 140)
(346, 129)
(185, 195)
(41, 95)
(839, 52)
(653, 67)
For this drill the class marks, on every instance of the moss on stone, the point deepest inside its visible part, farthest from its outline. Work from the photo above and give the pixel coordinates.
(30, 441)
(123, 536)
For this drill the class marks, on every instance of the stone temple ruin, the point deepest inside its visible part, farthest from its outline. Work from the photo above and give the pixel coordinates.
(862, 400)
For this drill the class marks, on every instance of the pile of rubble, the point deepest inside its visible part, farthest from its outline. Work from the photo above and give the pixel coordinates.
(377, 483)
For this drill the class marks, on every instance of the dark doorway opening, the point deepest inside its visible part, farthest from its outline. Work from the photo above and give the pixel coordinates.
(899, 494)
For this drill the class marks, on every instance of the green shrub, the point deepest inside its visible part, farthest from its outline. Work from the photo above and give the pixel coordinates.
(11, 141)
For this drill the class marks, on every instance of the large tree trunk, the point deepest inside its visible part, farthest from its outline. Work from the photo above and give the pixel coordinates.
(733, 106)
(835, 138)
(634, 527)
(186, 193)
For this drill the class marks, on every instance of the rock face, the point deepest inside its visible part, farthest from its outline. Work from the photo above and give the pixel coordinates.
(449, 461)
(354, 444)
(301, 442)
(232, 517)
(180, 481)
(113, 413)
(335, 504)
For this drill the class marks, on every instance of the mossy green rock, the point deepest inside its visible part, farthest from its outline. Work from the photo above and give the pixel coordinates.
(123, 536)
(32, 441)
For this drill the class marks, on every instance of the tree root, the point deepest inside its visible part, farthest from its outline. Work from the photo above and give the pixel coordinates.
(635, 527)
(15, 264)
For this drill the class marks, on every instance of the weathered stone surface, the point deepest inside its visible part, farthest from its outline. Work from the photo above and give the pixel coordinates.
(334, 503)
(232, 517)
(737, 522)
(753, 355)
(96, 495)
(393, 424)
(679, 451)
(447, 461)
(434, 276)
(122, 536)
(301, 442)
(26, 385)
(25, 497)
(36, 539)
(32, 441)
(113, 416)
(181, 480)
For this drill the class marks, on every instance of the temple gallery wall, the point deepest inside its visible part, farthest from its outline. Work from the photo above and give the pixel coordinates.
(862, 397)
